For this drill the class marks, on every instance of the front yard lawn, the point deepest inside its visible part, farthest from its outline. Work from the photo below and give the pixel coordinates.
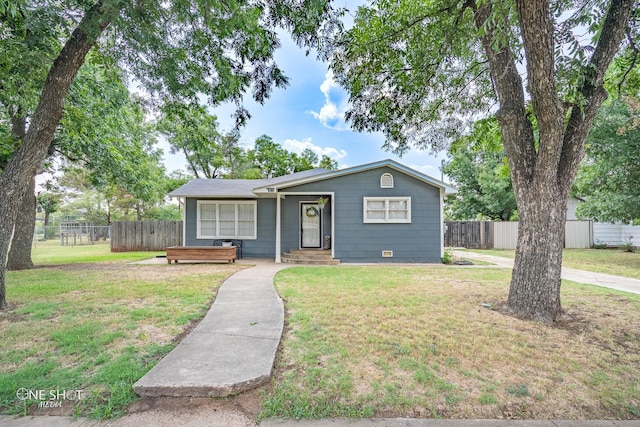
(94, 326)
(421, 342)
(609, 261)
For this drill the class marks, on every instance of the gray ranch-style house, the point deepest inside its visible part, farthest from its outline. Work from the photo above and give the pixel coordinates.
(377, 212)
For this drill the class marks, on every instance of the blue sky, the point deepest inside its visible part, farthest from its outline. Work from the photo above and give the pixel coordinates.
(309, 113)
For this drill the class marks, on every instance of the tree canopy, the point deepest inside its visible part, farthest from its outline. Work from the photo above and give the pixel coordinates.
(176, 50)
(609, 179)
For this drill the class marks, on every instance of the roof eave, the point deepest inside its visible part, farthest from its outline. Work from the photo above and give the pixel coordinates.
(361, 168)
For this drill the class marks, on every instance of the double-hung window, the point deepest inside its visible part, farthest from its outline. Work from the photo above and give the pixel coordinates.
(387, 209)
(218, 219)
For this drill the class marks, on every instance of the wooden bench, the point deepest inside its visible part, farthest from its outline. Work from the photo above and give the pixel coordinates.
(201, 253)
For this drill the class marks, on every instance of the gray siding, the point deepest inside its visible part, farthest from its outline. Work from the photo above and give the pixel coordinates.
(262, 247)
(355, 241)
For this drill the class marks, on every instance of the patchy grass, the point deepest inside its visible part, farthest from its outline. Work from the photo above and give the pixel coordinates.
(416, 342)
(50, 252)
(609, 261)
(96, 327)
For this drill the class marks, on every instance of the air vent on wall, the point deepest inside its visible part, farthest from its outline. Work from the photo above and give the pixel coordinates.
(387, 254)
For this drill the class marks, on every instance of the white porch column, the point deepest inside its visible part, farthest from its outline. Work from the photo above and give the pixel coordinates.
(441, 222)
(183, 200)
(278, 242)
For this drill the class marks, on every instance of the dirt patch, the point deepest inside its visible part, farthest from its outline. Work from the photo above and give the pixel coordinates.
(151, 272)
(240, 410)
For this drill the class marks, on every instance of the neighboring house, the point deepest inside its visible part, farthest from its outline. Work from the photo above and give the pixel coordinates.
(377, 212)
(605, 233)
(572, 205)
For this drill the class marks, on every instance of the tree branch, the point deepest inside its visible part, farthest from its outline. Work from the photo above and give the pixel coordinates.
(517, 130)
(538, 38)
(592, 90)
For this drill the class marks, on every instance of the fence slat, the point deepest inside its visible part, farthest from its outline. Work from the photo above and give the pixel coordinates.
(129, 236)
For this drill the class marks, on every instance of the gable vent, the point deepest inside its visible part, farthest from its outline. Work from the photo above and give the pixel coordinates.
(386, 180)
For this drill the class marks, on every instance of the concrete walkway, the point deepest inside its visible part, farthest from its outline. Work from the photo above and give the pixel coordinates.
(620, 283)
(234, 346)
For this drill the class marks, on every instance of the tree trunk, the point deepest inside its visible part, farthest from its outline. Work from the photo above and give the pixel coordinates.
(534, 292)
(20, 252)
(542, 175)
(22, 167)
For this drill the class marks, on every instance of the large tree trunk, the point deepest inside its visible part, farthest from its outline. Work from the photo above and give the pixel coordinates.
(21, 243)
(542, 173)
(22, 167)
(535, 283)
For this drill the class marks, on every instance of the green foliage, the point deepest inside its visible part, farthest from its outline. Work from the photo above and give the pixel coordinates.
(478, 168)
(412, 71)
(271, 158)
(447, 258)
(609, 178)
(193, 132)
(327, 162)
(519, 390)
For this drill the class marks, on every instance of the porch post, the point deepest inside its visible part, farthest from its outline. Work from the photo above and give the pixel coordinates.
(441, 222)
(184, 219)
(278, 242)
(333, 225)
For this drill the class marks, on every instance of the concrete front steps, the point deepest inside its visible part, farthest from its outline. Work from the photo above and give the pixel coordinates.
(309, 256)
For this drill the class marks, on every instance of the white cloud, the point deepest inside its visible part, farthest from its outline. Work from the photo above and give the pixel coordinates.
(332, 112)
(298, 147)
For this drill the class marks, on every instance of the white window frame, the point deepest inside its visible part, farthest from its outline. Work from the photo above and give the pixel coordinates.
(386, 219)
(386, 180)
(217, 203)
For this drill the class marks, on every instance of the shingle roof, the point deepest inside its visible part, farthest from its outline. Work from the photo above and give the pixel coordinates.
(236, 187)
(218, 188)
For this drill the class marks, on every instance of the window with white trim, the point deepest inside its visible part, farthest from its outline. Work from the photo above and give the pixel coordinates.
(223, 219)
(386, 180)
(387, 209)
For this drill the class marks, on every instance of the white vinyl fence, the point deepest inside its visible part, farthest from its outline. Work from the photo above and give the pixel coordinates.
(578, 235)
(616, 234)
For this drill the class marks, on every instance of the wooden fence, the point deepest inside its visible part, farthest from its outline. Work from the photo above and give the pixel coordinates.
(469, 234)
(145, 235)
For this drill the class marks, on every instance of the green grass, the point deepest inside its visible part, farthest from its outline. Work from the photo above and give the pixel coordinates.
(91, 322)
(416, 342)
(609, 261)
(50, 253)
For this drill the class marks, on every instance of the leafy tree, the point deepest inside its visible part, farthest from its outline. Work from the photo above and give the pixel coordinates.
(327, 162)
(305, 161)
(270, 158)
(479, 169)
(421, 71)
(609, 178)
(236, 159)
(174, 49)
(193, 132)
(47, 203)
(103, 130)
